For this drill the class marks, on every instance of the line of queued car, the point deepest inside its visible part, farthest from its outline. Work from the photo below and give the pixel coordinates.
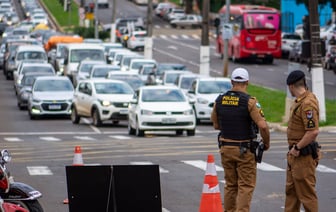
(292, 46)
(66, 75)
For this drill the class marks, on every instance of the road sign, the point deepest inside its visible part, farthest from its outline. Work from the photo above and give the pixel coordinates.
(89, 16)
(81, 16)
(227, 31)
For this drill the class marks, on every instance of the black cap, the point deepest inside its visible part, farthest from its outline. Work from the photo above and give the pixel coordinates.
(295, 76)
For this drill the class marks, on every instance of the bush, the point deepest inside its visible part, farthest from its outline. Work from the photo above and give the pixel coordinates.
(90, 33)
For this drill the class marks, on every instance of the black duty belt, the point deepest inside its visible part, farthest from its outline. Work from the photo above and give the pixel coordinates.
(240, 144)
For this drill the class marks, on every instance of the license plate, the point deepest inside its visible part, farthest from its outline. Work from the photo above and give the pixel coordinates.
(168, 121)
(54, 107)
(261, 56)
(123, 111)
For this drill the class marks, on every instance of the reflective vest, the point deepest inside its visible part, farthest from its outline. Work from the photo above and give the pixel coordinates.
(234, 117)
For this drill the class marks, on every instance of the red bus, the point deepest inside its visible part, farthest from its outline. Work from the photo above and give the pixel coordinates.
(256, 33)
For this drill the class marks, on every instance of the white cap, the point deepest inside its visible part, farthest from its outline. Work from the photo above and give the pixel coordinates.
(240, 75)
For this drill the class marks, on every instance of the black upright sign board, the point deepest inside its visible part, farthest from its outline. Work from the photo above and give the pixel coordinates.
(117, 188)
(89, 188)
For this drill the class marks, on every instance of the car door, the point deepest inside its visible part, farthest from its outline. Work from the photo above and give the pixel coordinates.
(133, 108)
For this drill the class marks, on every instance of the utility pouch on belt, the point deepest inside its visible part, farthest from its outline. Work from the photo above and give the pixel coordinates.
(257, 148)
(312, 149)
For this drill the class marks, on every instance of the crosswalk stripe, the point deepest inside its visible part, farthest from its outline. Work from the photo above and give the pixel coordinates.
(201, 164)
(13, 139)
(325, 169)
(39, 170)
(120, 137)
(49, 138)
(268, 167)
(86, 138)
(162, 170)
(174, 36)
(185, 36)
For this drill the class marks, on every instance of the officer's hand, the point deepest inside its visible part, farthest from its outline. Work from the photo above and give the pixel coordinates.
(294, 152)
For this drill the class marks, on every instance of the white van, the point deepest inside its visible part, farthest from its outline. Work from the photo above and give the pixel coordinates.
(30, 53)
(75, 53)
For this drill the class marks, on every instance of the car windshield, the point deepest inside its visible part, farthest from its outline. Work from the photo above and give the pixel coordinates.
(31, 56)
(36, 69)
(171, 77)
(102, 72)
(112, 88)
(137, 65)
(162, 95)
(53, 85)
(28, 80)
(87, 54)
(85, 68)
(133, 81)
(186, 82)
(208, 87)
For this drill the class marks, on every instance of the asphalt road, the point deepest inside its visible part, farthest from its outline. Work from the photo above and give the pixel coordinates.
(42, 148)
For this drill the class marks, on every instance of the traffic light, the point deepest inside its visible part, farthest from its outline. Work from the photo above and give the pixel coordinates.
(306, 27)
(91, 7)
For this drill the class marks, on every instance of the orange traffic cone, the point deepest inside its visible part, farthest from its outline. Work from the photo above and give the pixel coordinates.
(77, 161)
(211, 197)
(78, 158)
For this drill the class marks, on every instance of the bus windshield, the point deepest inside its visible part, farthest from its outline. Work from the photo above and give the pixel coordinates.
(261, 21)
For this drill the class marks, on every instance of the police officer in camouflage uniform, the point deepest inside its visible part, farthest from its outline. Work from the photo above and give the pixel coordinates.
(238, 115)
(304, 154)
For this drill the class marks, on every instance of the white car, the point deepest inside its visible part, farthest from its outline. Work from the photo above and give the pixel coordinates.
(185, 80)
(204, 91)
(102, 100)
(134, 80)
(101, 70)
(136, 40)
(39, 18)
(135, 64)
(83, 71)
(157, 108)
(169, 77)
(50, 95)
(288, 41)
(327, 32)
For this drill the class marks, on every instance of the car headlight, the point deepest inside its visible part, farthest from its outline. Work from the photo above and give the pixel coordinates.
(146, 112)
(36, 100)
(188, 112)
(105, 103)
(202, 101)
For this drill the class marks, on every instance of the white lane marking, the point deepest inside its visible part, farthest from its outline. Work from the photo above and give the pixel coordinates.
(165, 210)
(39, 170)
(174, 36)
(172, 47)
(185, 36)
(86, 138)
(201, 164)
(162, 170)
(121, 137)
(325, 169)
(163, 36)
(268, 167)
(49, 138)
(87, 121)
(195, 36)
(13, 139)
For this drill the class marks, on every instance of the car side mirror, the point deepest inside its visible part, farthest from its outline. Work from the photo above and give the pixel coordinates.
(134, 101)
(192, 101)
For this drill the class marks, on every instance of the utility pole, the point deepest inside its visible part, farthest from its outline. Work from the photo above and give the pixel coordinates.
(113, 25)
(316, 57)
(205, 49)
(226, 40)
(96, 18)
(148, 52)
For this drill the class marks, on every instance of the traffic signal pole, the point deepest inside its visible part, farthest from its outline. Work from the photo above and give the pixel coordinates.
(316, 57)
(205, 48)
(148, 51)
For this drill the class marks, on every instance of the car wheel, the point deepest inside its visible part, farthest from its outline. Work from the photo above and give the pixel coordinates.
(191, 132)
(115, 122)
(96, 118)
(174, 25)
(138, 131)
(31, 116)
(328, 66)
(74, 116)
(131, 131)
(179, 132)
